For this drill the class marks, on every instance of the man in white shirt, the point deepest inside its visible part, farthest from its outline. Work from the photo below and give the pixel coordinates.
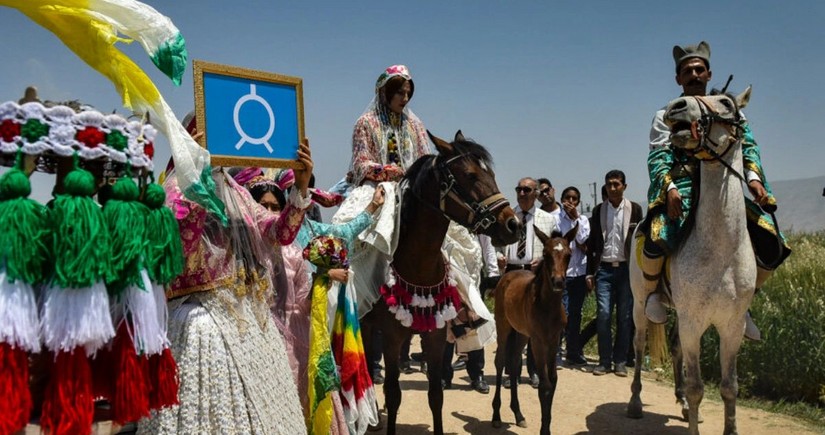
(526, 253)
(547, 197)
(612, 227)
(575, 285)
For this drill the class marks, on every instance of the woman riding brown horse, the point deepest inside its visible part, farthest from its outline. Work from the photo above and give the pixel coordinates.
(457, 184)
(529, 305)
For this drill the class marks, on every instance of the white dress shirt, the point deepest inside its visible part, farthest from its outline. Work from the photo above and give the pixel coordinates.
(512, 249)
(614, 242)
(488, 255)
(578, 259)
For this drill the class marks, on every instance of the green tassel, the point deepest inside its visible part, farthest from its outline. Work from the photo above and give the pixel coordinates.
(25, 238)
(126, 220)
(81, 239)
(164, 250)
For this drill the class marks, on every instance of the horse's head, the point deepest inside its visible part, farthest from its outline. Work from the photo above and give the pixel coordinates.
(706, 126)
(467, 192)
(556, 254)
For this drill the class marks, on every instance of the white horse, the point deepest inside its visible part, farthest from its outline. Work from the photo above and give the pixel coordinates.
(713, 272)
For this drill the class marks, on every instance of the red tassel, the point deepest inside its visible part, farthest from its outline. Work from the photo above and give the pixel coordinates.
(164, 378)
(68, 407)
(131, 396)
(103, 373)
(15, 397)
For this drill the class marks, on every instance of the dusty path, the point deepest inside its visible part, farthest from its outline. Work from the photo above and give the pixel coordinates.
(584, 404)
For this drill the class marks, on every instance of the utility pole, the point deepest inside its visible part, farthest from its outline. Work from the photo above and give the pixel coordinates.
(593, 194)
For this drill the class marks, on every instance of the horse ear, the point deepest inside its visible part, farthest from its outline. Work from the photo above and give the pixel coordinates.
(459, 137)
(443, 146)
(744, 98)
(543, 237)
(571, 235)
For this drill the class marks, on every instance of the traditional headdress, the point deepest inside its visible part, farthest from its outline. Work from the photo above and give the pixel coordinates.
(390, 72)
(393, 133)
(700, 50)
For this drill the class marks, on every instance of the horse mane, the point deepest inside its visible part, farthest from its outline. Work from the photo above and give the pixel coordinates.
(416, 173)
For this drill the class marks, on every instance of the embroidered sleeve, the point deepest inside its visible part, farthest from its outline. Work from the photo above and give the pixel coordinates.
(284, 227)
(366, 154)
(659, 162)
(752, 161)
(190, 216)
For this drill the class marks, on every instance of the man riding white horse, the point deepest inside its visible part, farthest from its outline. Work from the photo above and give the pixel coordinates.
(674, 185)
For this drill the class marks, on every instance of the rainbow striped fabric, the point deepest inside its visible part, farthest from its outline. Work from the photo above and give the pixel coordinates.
(357, 392)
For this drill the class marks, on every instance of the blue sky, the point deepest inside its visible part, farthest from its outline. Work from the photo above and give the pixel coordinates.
(565, 90)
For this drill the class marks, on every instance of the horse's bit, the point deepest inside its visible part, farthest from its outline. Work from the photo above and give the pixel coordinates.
(480, 215)
(702, 127)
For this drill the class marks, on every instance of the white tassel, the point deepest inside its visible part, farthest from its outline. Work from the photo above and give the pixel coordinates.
(407, 320)
(416, 301)
(430, 301)
(449, 312)
(439, 320)
(399, 314)
(19, 325)
(163, 311)
(76, 317)
(390, 278)
(141, 308)
(393, 309)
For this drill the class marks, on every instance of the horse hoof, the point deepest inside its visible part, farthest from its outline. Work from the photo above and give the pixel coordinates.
(496, 424)
(522, 423)
(634, 412)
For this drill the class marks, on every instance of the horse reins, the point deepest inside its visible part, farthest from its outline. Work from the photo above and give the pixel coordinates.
(703, 127)
(480, 215)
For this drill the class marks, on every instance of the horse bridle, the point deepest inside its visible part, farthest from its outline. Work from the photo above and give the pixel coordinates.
(701, 128)
(480, 215)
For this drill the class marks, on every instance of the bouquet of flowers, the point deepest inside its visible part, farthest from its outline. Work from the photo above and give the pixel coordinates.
(327, 252)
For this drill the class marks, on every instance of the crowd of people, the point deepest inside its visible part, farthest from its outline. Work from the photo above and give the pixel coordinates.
(267, 306)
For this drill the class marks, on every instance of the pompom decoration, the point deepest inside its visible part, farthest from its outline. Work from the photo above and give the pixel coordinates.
(165, 261)
(24, 254)
(422, 308)
(75, 319)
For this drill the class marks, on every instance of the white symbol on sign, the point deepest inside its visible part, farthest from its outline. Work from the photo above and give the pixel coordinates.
(245, 138)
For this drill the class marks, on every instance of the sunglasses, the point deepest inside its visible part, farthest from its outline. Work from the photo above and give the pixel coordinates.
(525, 190)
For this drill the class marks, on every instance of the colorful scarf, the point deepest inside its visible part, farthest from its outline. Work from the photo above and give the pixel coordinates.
(325, 253)
(357, 393)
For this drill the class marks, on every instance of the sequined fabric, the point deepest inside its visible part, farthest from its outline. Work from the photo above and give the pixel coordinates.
(231, 383)
(669, 165)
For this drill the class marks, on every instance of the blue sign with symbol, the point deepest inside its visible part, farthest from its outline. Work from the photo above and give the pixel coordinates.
(251, 118)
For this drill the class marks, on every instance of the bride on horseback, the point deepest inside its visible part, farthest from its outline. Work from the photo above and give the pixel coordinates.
(387, 139)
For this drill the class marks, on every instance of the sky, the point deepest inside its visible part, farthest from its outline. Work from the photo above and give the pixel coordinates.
(563, 90)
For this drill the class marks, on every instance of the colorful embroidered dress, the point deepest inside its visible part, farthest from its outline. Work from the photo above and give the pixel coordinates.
(382, 138)
(231, 358)
(668, 165)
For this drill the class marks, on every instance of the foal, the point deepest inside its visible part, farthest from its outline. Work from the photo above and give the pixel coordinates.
(529, 305)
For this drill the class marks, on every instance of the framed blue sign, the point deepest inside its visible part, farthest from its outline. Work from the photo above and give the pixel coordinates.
(248, 117)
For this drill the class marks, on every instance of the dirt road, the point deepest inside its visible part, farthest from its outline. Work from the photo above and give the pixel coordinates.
(584, 404)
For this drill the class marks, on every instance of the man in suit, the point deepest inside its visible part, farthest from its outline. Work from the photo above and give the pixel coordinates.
(526, 253)
(611, 229)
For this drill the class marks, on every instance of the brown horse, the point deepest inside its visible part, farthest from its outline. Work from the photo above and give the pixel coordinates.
(456, 184)
(529, 305)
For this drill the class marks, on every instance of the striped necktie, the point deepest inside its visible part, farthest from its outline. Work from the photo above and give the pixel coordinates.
(521, 250)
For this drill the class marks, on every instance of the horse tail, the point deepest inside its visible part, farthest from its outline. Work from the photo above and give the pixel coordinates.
(657, 341)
